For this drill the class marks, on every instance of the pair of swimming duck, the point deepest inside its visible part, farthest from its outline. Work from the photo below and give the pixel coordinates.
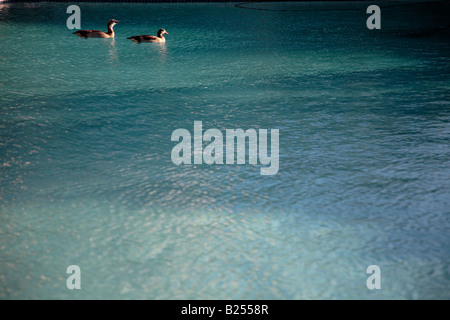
(110, 34)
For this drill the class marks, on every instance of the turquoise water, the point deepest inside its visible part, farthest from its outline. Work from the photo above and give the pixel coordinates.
(87, 177)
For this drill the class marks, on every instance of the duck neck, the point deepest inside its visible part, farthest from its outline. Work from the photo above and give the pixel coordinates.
(160, 35)
(110, 30)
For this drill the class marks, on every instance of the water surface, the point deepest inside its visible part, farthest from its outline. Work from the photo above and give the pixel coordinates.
(87, 178)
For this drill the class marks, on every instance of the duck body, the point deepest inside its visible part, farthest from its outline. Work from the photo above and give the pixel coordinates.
(93, 34)
(150, 39)
(97, 33)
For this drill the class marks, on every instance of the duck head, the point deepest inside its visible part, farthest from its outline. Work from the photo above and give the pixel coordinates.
(162, 32)
(112, 22)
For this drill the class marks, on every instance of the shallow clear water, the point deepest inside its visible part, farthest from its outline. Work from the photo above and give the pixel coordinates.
(87, 178)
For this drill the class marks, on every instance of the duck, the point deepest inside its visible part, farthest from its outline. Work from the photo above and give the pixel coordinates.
(98, 34)
(146, 38)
